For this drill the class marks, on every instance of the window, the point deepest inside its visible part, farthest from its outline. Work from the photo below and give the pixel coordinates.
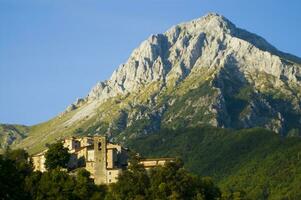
(109, 180)
(109, 173)
(99, 145)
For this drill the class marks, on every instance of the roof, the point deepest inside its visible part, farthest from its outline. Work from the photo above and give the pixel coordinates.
(157, 159)
(81, 148)
(40, 154)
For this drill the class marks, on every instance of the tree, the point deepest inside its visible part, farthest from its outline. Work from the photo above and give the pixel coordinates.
(85, 187)
(21, 159)
(57, 156)
(59, 185)
(233, 195)
(32, 183)
(173, 182)
(14, 167)
(132, 183)
(56, 184)
(169, 182)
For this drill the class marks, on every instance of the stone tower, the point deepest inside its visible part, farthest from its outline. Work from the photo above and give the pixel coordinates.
(100, 158)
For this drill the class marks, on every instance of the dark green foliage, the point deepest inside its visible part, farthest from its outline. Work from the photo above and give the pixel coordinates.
(57, 184)
(132, 184)
(169, 182)
(234, 195)
(57, 156)
(85, 187)
(256, 161)
(21, 160)
(174, 182)
(14, 167)
(32, 184)
(79, 131)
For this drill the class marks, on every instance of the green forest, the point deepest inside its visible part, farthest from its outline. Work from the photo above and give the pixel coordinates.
(256, 161)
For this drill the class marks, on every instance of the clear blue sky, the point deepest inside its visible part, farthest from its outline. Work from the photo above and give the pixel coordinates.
(53, 51)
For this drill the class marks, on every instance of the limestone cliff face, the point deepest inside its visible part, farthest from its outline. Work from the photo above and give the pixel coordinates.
(229, 58)
(206, 71)
(209, 42)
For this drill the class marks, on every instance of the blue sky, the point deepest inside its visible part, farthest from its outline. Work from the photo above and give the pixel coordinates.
(53, 51)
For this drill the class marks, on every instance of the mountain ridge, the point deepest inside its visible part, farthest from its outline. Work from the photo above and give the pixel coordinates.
(225, 25)
(206, 71)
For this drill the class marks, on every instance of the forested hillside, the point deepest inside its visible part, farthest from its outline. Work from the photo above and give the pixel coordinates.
(257, 161)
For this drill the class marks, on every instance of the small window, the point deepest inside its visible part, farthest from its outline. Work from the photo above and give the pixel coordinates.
(109, 180)
(99, 145)
(109, 173)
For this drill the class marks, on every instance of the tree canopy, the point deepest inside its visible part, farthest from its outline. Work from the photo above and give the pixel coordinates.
(167, 182)
(57, 156)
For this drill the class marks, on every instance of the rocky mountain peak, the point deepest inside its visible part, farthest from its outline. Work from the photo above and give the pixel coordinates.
(208, 48)
(154, 60)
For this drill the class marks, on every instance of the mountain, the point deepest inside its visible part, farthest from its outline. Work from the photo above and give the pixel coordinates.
(203, 72)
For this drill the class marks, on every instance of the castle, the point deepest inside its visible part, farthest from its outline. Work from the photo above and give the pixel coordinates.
(104, 160)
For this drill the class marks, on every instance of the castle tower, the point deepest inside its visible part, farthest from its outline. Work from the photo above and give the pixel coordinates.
(100, 158)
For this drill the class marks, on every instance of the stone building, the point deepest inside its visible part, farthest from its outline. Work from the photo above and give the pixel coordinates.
(149, 163)
(104, 160)
(38, 161)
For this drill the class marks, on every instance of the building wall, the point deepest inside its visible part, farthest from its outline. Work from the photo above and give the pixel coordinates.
(82, 153)
(90, 168)
(71, 143)
(85, 141)
(38, 162)
(90, 155)
(100, 159)
(111, 158)
(112, 175)
(150, 163)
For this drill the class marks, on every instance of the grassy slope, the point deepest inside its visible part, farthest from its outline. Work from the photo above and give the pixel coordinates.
(255, 160)
(50, 131)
